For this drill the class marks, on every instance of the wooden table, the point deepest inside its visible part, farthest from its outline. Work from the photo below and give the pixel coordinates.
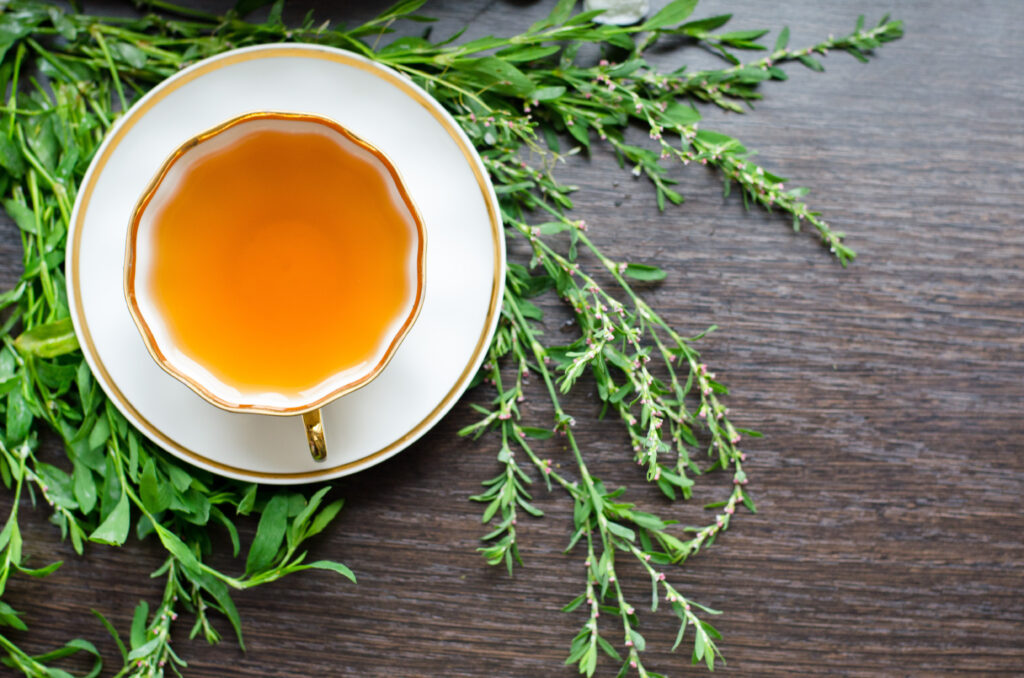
(891, 393)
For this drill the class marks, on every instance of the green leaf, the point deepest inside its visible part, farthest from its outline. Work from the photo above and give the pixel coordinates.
(537, 433)
(480, 44)
(680, 114)
(138, 628)
(324, 518)
(783, 40)
(743, 36)
(638, 640)
(296, 530)
(700, 27)
(673, 13)
(578, 646)
(219, 516)
(578, 131)
(196, 506)
(711, 630)
(113, 633)
(500, 73)
(589, 662)
(334, 567)
(133, 456)
(627, 68)
(518, 54)
(84, 382)
(40, 571)
(23, 216)
(84, 487)
(748, 502)
(713, 138)
(546, 93)
(552, 227)
(751, 75)
(644, 272)
(9, 617)
(530, 310)
(42, 140)
(156, 495)
(274, 15)
(180, 478)
(220, 593)
(71, 647)
(699, 645)
(682, 626)
(19, 418)
(621, 531)
(269, 534)
(608, 649)
(49, 340)
(114, 530)
(64, 26)
(811, 62)
(576, 602)
(647, 520)
(99, 434)
(529, 508)
(144, 649)
(558, 15)
(178, 549)
(10, 158)
(130, 54)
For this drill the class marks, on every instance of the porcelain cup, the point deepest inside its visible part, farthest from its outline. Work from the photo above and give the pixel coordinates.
(141, 253)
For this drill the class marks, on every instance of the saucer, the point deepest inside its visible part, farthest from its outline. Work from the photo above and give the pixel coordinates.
(465, 261)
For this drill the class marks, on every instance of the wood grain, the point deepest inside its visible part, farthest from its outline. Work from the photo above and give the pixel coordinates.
(890, 393)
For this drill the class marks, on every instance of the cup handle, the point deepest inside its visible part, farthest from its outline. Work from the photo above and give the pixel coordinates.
(314, 424)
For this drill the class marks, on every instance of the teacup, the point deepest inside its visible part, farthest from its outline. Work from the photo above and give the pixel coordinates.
(274, 264)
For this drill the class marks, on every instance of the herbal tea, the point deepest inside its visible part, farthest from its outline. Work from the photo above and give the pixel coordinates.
(284, 255)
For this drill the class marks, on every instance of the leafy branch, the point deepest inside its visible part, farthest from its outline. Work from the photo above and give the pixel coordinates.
(527, 101)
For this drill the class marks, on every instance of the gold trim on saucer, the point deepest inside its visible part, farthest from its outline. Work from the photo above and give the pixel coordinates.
(131, 293)
(249, 54)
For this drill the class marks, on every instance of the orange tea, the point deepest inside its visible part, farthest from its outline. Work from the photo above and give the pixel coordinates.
(284, 254)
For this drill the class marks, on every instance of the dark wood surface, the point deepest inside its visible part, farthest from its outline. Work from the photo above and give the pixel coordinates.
(891, 393)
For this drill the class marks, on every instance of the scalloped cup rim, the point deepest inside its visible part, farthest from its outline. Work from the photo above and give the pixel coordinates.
(149, 338)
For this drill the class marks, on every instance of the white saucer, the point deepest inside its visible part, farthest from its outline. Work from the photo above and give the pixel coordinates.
(464, 262)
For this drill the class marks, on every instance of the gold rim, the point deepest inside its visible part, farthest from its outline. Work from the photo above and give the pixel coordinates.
(248, 54)
(147, 334)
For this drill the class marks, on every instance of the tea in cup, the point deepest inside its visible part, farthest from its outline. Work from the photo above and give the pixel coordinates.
(275, 263)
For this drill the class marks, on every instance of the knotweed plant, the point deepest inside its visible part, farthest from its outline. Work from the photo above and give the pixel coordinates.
(527, 101)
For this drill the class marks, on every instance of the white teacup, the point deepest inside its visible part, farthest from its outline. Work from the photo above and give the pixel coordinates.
(247, 264)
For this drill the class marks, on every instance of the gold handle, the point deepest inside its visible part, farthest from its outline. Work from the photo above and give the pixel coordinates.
(315, 434)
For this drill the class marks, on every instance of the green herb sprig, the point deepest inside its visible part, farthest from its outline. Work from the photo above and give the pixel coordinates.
(522, 99)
